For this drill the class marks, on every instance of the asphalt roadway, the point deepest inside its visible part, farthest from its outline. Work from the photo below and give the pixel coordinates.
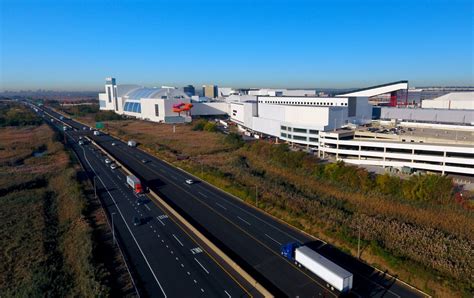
(165, 260)
(249, 236)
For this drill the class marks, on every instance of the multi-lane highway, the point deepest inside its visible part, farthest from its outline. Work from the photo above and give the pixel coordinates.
(165, 259)
(249, 236)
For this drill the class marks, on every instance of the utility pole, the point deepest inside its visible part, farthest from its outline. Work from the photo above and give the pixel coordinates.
(113, 227)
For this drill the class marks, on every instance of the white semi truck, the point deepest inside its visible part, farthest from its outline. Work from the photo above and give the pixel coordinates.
(336, 277)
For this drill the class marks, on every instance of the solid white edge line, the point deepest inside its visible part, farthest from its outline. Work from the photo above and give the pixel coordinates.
(131, 233)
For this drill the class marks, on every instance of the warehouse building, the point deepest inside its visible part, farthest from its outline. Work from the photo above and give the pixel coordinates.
(451, 101)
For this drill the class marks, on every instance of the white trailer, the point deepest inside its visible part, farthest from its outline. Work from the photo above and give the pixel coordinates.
(333, 274)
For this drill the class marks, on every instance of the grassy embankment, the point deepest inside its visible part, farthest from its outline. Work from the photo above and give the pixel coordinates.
(46, 240)
(413, 228)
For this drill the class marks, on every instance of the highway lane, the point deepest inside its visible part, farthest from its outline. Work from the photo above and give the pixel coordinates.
(273, 270)
(262, 229)
(178, 266)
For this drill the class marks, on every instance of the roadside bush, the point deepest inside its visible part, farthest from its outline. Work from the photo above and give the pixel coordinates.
(16, 115)
(199, 125)
(210, 126)
(234, 139)
(107, 116)
(434, 188)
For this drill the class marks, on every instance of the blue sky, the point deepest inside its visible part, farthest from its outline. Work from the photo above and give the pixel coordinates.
(74, 45)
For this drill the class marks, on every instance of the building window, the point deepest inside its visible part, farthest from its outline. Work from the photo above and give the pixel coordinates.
(300, 138)
(314, 140)
(157, 110)
(313, 132)
(108, 94)
(102, 103)
(283, 134)
(300, 130)
(283, 127)
(288, 136)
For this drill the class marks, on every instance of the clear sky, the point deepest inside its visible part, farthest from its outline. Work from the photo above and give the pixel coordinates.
(74, 45)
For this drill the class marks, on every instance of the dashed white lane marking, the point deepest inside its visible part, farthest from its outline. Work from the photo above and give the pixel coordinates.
(202, 194)
(272, 239)
(119, 177)
(178, 240)
(243, 220)
(203, 268)
(202, 290)
(160, 221)
(227, 293)
(146, 206)
(223, 207)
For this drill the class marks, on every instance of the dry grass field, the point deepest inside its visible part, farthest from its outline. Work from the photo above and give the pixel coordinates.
(408, 238)
(45, 241)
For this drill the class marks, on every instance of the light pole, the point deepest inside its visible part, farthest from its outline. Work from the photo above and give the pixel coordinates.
(95, 187)
(113, 227)
(256, 195)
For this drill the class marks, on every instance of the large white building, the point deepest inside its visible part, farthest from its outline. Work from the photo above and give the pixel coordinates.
(300, 118)
(165, 104)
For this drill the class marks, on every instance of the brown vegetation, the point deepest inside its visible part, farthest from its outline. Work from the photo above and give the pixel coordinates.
(45, 242)
(411, 227)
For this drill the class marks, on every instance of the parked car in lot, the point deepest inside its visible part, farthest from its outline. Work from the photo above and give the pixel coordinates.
(113, 166)
(136, 221)
(107, 161)
(189, 181)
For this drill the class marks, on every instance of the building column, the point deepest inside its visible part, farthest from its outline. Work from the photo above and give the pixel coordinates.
(360, 148)
(444, 162)
(337, 148)
(384, 152)
(412, 155)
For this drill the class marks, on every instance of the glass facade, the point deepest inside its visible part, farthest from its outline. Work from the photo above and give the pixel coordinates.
(134, 107)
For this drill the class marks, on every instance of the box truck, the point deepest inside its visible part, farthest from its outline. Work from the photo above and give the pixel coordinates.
(336, 277)
(135, 184)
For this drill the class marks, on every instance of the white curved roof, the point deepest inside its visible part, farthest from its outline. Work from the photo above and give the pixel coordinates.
(137, 92)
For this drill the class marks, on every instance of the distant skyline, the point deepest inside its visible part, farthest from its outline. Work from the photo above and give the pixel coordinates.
(74, 45)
